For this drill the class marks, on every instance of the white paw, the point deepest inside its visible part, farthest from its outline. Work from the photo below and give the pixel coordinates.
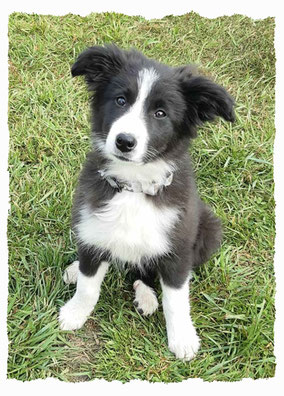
(185, 347)
(145, 298)
(72, 316)
(71, 273)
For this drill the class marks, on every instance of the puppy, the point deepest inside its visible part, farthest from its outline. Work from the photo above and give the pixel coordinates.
(136, 202)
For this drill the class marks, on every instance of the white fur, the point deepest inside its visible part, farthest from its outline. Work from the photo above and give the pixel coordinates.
(71, 273)
(145, 174)
(182, 338)
(129, 226)
(133, 121)
(145, 298)
(76, 311)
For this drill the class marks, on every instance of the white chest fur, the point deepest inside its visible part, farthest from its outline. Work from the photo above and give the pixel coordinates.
(130, 226)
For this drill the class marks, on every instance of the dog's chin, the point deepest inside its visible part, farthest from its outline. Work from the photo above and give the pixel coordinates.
(123, 159)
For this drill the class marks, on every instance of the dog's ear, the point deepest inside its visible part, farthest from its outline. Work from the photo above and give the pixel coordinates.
(205, 100)
(98, 64)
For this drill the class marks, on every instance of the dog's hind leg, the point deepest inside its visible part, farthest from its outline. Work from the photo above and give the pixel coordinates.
(71, 273)
(145, 299)
(209, 236)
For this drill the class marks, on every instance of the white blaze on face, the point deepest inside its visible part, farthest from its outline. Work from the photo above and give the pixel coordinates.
(133, 121)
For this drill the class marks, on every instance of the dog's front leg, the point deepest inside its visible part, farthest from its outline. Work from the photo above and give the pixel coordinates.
(91, 273)
(182, 338)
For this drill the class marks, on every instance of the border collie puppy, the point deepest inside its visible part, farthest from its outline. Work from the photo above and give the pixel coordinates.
(136, 201)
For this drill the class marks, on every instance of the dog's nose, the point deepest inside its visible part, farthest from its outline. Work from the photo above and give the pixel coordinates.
(125, 142)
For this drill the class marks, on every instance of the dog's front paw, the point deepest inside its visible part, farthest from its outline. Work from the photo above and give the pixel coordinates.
(185, 347)
(72, 316)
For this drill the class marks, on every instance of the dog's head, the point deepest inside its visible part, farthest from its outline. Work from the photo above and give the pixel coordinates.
(143, 108)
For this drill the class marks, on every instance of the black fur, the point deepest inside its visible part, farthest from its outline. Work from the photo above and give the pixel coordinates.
(189, 100)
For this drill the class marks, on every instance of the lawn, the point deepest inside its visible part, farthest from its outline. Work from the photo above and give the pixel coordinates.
(232, 296)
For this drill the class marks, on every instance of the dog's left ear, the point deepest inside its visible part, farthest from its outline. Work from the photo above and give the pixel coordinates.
(205, 100)
(98, 64)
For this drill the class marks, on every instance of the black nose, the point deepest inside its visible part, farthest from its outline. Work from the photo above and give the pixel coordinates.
(125, 142)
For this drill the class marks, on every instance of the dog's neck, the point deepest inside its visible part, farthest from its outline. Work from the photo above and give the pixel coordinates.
(149, 178)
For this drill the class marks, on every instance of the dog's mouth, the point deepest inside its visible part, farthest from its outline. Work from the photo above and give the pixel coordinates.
(120, 157)
(127, 160)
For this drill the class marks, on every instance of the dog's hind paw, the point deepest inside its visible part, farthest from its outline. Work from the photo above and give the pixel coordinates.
(71, 273)
(145, 298)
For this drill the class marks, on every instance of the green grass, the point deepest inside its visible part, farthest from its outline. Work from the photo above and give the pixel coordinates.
(232, 296)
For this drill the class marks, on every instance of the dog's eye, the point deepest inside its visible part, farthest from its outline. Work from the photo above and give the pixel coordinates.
(121, 101)
(160, 114)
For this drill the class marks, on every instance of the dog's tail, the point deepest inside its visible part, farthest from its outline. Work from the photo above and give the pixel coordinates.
(209, 236)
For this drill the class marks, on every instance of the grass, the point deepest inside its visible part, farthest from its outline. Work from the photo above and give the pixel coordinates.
(232, 296)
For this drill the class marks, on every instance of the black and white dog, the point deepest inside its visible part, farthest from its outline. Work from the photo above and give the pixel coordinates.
(136, 202)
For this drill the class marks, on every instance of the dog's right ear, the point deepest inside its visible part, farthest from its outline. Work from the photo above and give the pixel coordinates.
(98, 64)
